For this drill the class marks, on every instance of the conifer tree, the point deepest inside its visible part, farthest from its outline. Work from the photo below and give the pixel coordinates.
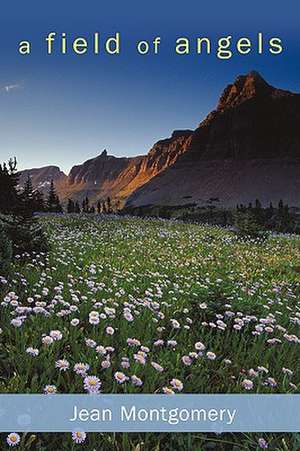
(27, 198)
(70, 206)
(77, 207)
(86, 205)
(39, 201)
(53, 203)
(9, 199)
(109, 207)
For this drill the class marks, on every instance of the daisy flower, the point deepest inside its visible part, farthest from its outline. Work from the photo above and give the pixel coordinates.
(50, 389)
(78, 437)
(110, 330)
(13, 439)
(136, 381)
(168, 391)
(176, 384)
(247, 384)
(32, 351)
(120, 377)
(81, 368)
(92, 384)
(262, 443)
(211, 355)
(186, 360)
(199, 346)
(56, 335)
(62, 365)
(157, 367)
(47, 340)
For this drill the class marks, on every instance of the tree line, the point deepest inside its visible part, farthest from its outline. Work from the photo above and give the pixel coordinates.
(24, 202)
(27, 200)
(256, 217)
(20, 233)
(101, 207)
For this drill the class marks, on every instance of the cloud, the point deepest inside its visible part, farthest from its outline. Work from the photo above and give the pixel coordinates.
(11, 87)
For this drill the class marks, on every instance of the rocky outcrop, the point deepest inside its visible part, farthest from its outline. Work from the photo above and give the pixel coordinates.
(162, 155)
(117, 178)
(41, 177)
(107, 175)
(248, 148)
(99, 177)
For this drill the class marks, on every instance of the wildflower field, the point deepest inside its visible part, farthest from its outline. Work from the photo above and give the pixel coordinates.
(122, 305)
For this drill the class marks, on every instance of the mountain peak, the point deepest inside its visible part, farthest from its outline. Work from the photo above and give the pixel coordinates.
(244, 88)
(104, 153)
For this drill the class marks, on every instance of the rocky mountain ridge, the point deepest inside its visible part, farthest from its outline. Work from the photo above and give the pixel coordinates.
(247, 148)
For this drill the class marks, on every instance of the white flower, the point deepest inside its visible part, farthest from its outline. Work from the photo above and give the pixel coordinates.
(47, 340)
(32, 351)
(62, 365)
(211, 355)
(247, 384)
(56, 335)
(199, 346)
(110, 330)
(136, 381)
(177, 384)
(78, 437)
(13, 439)
(157, 367)
(120, 377)
(50, 389)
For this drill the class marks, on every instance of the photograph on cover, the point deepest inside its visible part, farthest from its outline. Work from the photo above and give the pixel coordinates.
(149, 213)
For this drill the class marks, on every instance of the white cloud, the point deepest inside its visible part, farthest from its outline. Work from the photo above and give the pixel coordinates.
(11, 87)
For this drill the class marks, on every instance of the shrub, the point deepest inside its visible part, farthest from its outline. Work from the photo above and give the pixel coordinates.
(5, 252)
(246, 224)
(25, 235)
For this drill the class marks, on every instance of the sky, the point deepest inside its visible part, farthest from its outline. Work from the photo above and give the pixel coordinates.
(64, 109)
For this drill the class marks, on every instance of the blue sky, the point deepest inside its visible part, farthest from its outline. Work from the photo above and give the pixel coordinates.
(65, 109)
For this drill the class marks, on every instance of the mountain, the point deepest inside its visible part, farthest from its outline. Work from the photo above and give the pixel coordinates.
(99, 177)
(41, 177)
(248, 148)
(107, 175)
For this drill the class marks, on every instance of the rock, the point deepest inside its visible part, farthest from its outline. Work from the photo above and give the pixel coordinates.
(248, 148)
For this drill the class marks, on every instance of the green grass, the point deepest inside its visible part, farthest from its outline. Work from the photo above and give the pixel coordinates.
(233, 296)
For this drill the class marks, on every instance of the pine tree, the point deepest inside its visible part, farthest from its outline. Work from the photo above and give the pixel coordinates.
(257, 204)
(59, 208)
(270, 211)
(77, 207)
(109, 207)
(70, 206)
(39, 201)
(86, 205)
(53, 203)
(99, 207)
(9, 198)
(27, 198)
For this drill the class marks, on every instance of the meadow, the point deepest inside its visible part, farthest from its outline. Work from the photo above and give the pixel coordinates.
(123, 305)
